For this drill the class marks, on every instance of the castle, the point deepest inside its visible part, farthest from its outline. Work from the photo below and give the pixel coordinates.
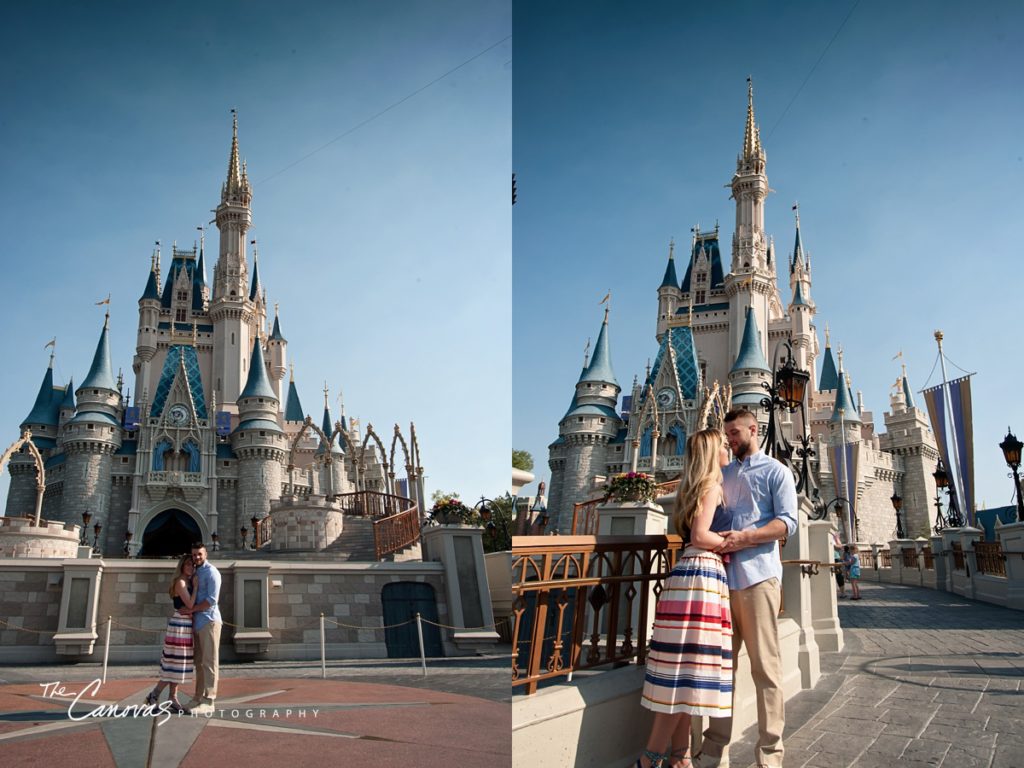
(214, 434)
(732, 328)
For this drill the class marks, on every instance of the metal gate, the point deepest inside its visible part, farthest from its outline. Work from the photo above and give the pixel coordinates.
(402, 600)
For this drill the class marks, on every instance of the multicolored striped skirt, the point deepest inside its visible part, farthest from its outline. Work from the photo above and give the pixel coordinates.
(176, 661)
(689, 666)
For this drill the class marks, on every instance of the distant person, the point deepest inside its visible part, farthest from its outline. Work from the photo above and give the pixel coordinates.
(206, 625)
(837, 557)
(689, 666)
(176, 659)
(760, 509)
(852, 562)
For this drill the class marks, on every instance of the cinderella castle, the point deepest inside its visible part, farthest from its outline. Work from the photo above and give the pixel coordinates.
(214, 436)
(719, 331)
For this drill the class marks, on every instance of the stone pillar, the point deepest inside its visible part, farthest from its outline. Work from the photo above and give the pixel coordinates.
(460, 549)
(252, 607)
(1011, 539)
(80, 594)
(943, 566)
(876, 551)
(828, 633)
(796, 589)
(632, 518)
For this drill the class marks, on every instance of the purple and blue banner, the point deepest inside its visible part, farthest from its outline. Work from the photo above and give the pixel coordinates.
(846, 457)
(961, 432)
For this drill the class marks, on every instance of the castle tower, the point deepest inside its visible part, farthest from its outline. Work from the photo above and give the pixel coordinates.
(89, 440)
(751, 282)
(333, 471)
(231, 311)
(799, 265)
(260, 445)
(277, 351)
(43, 421)
(908, 435)
(845, 414)
(801, 313)
(293, 412)
(669, 295)
(584, 432)
(146, 340)
(750, 370)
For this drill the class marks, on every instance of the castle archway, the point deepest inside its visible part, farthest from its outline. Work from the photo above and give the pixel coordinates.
(170, 533)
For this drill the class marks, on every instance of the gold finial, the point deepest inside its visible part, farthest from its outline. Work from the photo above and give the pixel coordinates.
(202, 236)
(291, 372)
(828, 342)
(840, 356)
(938, 337)
(195, 333)
(326, 394)
(671, 247)
(277, 308)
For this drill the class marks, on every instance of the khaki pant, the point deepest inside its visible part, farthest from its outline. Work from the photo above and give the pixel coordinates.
(206, 656)
(755, 623)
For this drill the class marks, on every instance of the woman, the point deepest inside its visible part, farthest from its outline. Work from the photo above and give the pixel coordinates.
(852, 562)
(689, 667)
(176, 661)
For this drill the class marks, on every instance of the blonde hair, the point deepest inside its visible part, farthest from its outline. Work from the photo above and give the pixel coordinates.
(702, 473)
(179, 573)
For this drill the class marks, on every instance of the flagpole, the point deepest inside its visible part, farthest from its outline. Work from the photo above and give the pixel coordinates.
(958, 488)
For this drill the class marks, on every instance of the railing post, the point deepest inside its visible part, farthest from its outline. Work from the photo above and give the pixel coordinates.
(106, 649)
(419, 633)
(323, 649)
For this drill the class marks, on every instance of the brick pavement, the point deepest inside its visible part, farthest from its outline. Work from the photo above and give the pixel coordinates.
(927, 678)
(270, 714)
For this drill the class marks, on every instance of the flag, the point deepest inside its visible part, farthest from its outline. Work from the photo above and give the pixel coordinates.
(607, 297)
(960, 432)
(898, 355)
(51, 344)
(105, 301)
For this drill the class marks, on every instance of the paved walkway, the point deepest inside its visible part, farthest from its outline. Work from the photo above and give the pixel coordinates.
(927, 678)
(269, 714)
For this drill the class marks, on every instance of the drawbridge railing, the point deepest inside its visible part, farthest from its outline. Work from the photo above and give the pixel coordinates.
(396, 519)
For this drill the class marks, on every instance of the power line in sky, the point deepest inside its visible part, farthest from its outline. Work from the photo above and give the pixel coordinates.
(384, 111)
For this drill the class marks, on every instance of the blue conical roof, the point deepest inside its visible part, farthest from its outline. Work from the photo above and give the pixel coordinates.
(69, 396)
(151, 291)
(600, 368)
(907, 394)
(254, 290)
(750, 356)
(101, 375)
(276, 335)
(328, 428)
(798, 296)
(829, 378)
(257, 385)
(42, 410)
(670, 280)
(844, 400)
(293, 408)
(798, 250)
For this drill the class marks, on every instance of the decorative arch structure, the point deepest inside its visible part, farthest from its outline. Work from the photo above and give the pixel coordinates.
(37, 458)
(146, 518)
(388, 475)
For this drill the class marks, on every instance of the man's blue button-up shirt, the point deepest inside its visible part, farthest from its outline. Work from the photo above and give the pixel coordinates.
(757, 490)
(207, 588)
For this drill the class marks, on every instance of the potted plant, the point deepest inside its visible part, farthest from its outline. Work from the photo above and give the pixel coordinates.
(631, 486)
(449, 510)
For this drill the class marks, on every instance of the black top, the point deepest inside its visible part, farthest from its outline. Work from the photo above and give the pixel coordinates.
(178, 602)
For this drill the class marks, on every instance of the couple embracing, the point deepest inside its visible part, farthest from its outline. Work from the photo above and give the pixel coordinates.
(724, 593)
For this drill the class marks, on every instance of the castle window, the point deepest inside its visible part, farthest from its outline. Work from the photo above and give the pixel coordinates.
(702, 277)
(263, 434)
(92, 426)
(701, 297)
(180, 315)
(182, 295)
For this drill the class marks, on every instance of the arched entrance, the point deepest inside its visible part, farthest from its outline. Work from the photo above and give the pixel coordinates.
(402, 600)
(169, 534)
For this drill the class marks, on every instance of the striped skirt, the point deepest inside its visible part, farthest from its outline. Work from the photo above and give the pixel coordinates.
(689, 666)
(176, 661)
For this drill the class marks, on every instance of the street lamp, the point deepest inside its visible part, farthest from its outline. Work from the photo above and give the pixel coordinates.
(787, 392)
(494, 524)
(897, 504)
(216, 541)
(952, 518)
(1011, 447)
(86, 517)
(254, 520)
(127, 543)
(96, 538)
(245, 535)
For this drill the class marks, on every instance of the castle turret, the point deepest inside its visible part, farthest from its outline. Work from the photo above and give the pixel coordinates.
(293, 408)
(259, 443)
(330, 455)
(231, 311)
(845, 414)
(42, 420)
(277, 351)
(146, 340)
(750, 369)
(584, 432)
(668, 292)
(67, 403)
(89, 440)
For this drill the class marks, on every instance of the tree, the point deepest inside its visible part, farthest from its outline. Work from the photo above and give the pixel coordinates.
(522, 460)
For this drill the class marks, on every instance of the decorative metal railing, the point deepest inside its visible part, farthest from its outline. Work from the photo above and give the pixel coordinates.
(910, 559)
(868, 559)
(581, 602)
(885, 559)
(396, 532)
(373, 504)
(990, 558)
(929, 558)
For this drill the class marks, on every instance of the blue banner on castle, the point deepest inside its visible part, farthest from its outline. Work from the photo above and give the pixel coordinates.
(962, 432)
(223, 423)
(131, 418)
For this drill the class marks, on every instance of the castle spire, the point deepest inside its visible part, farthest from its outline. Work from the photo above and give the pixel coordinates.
(101, 374)
(907, 393)
(798, 259)
(751, 135)
(257, 384)
(256, 289)
(670, 280)
(600, 368)
(293, 408)
(234, 181)
(750, 356)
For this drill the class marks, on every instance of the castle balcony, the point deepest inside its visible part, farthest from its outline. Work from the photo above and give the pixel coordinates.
(160, 483)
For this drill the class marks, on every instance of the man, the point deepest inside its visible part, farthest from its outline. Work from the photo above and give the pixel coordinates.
(760, 498)
(206, 624)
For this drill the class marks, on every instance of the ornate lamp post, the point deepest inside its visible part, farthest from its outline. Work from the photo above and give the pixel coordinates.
(953, 519)
(245, 536)
(494, 524)
(127, 543)
(86, 517)
(787, 392)
(1011, 448)
(96, 538)
(254, 520)
(897, 504)
(216, 541)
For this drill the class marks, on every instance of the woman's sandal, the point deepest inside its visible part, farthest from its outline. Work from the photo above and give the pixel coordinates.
(657, 759)
(176, 708)
(683, 758)
(152, 697)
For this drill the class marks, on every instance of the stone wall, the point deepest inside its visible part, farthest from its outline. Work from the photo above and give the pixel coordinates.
(19, 537)
(87, 485)
(305, 525)
(134, 593)
(21, 496)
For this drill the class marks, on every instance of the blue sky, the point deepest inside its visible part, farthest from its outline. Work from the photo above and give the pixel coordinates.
(899, 136)
(388, 250)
